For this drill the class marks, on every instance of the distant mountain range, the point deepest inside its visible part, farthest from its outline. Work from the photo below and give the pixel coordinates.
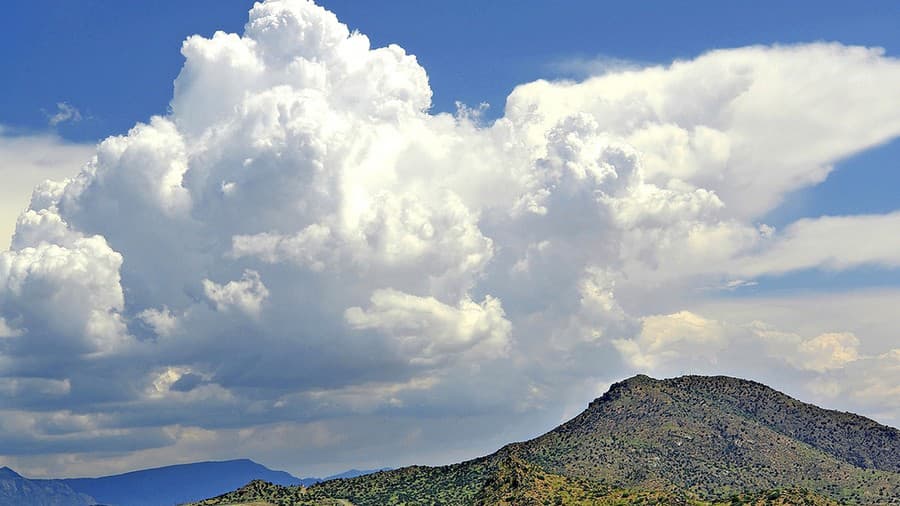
(18, 491)
(162, 486)
(692, 440)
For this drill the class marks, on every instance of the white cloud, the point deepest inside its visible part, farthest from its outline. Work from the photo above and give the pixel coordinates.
(830, 350)
(830, 242)
(716, 120)
(245, 295)
(680, 337)
(300, 223)
(431, 330)
(64, 112)
(66, 297)
(25, 161)
(866, 313)
(688, 339)
(163, 322)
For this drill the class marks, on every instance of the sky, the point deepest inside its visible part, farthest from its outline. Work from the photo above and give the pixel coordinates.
(371, 234)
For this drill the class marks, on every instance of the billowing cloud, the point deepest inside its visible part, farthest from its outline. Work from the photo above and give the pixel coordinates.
(679, 337)
(25, 161)
(751, 123)
(245, 295)
(302, 241)
(435, 330)
(67, 297)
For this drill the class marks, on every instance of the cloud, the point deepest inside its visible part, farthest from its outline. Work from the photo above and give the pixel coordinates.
(828, 351)
(436, 330)
(687, 339)
(301, 240)
(715, 120)
(68, 297)
(682, 337)
(830, 368)
(5, 330)
(830, 242)
(65, 112)
(25, 161)
(245, 295)
(580, 67)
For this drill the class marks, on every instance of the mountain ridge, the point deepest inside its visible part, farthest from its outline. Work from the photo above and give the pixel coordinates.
(161, 485)
(16, 490)
(691, 439)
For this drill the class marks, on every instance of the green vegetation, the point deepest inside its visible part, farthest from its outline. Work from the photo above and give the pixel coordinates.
(720, 436)
(690, 440)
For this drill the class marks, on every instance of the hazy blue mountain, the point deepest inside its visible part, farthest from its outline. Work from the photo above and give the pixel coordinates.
(161, 486)
(171, 485)
(353, 473)
(16, 490)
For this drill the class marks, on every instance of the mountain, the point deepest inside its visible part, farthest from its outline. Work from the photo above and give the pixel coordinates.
(353, 473)
(688, 440)
(16, 490)
(170, 485)
(160, 486)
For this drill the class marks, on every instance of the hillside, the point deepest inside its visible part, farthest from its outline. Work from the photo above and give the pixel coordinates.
(688, 440)
(716, 436)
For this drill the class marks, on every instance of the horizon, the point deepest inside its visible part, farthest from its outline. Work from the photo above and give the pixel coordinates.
(319, 251)
(330, 476)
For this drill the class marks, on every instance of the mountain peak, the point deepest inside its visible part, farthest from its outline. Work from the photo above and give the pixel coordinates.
(641, 384)
(632, 385)
(636, 380)
(682, 429)
(179, 483)
(6, 472)
(657, 441)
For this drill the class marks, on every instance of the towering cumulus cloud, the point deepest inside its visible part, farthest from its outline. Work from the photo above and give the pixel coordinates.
(301, 241)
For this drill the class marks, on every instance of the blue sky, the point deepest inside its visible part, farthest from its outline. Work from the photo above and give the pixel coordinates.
(116, 61)
(308, 242)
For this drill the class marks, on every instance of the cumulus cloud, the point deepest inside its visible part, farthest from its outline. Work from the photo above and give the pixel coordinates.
(25, 161)
(714, 121)
(679, 337)
(68, 297)
(161, 321)
(686, 338)
(245, 295)
(434, 329)
(301, 240)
